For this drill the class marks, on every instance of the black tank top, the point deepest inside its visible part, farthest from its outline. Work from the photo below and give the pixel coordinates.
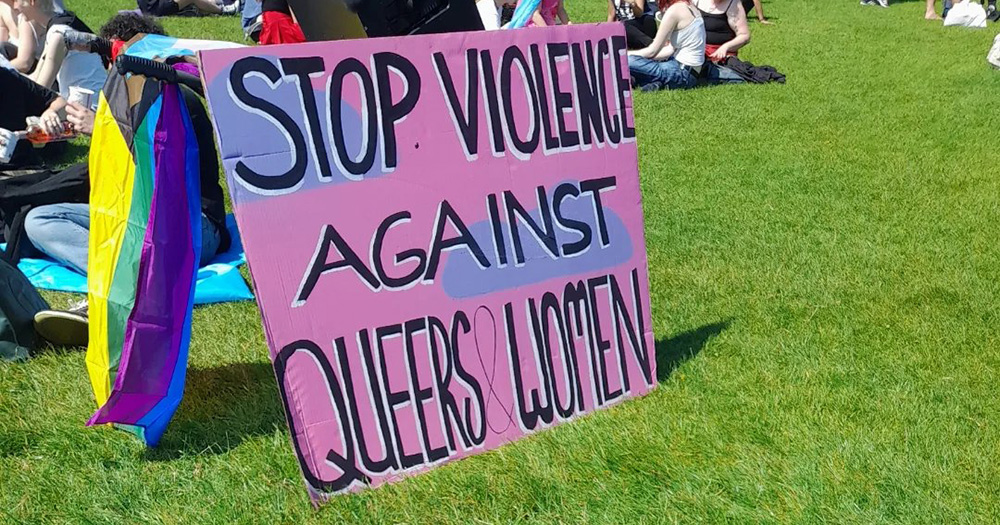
(717, 30)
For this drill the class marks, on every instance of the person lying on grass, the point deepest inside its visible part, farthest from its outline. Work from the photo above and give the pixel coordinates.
(61, 231)
(676, 57)
(173, 7)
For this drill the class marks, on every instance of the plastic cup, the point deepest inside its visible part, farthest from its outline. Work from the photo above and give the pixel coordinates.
(81, 96)
(8, 142)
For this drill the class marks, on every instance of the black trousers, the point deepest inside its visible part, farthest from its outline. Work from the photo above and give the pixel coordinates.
(639, 32)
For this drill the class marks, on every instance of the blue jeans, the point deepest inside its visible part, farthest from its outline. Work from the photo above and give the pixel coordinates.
(667, 74)
(61, 231)
(716, 74)
(251, 10)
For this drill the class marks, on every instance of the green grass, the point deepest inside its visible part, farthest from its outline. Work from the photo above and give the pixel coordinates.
(824, 268)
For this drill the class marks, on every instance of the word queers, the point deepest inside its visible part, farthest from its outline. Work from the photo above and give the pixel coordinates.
(554, 341)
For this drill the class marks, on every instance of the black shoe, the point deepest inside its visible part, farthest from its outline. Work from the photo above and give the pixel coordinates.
(652, 86)
(992, 13)
(64, 328)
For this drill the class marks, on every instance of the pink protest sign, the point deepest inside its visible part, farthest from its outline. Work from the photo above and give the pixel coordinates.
(446, 238)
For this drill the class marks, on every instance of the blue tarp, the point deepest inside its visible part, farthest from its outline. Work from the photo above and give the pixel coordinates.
(218, 282)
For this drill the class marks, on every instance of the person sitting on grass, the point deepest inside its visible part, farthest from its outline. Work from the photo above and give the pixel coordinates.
(675, 58)
(726, 28)
(61, 231)
(56, 65)
(173, 7)
(23, 98)
(638, 18)
(8, 29)
(30, 38)
(726, 32)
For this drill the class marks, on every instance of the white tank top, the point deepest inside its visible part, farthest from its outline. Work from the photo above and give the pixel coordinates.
(689, 43)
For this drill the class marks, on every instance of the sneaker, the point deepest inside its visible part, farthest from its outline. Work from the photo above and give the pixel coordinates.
(867, 2)
(64, 328)
(253, 32)
(992, 14)
(994, 55)
(234, 8)
(882, 3)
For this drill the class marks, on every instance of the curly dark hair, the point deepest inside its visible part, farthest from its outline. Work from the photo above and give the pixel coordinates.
(124, 26)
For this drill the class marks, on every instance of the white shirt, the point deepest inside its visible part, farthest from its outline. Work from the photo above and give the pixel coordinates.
(80, 69)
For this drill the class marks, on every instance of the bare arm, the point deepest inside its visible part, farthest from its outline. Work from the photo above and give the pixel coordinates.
(611, 11)
(52, 59)
(25, 58)
(561, 13)
(8, 27)
(738, 21)
(537, 19)
(660, 47)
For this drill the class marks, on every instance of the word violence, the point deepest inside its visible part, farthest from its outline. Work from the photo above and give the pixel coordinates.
(565, 111)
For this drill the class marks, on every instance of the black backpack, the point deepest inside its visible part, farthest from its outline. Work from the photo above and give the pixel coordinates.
(18, 195)
(19, 302)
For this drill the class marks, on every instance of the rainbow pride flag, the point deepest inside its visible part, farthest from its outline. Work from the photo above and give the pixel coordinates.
(145, 243)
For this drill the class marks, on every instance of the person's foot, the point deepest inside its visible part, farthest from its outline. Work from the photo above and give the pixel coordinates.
(64, 328)
(882, 3)
(867, 2)
(992, 13)
(234, 8)
(652, 86)
(253, 32)
(931, 15)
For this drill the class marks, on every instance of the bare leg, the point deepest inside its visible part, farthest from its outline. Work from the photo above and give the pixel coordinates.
(931, 13)
(205, 6)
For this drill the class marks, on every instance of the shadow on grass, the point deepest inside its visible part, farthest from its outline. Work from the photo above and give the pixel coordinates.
(672, 353)
(222, 407)
(227, 405)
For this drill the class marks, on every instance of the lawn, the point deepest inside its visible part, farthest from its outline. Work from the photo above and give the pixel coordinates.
(825, 278)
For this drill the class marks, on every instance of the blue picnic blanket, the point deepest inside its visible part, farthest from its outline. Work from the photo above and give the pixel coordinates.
(218, 282)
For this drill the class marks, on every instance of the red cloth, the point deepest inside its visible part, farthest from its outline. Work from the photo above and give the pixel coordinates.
(709, 49)
(116, 47)
(280, 28)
